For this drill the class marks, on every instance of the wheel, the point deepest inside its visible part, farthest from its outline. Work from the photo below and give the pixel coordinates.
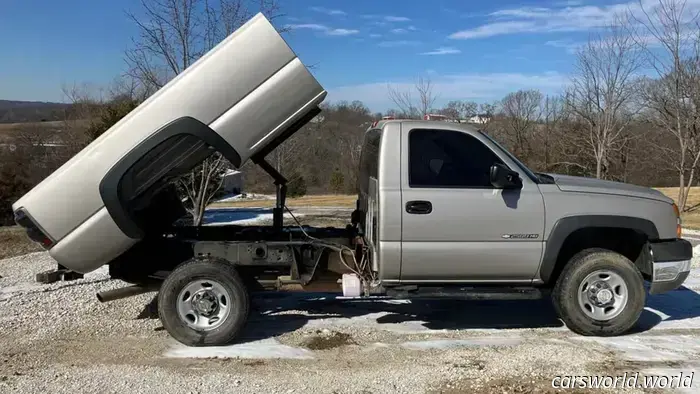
(203, 302)
(599, 293)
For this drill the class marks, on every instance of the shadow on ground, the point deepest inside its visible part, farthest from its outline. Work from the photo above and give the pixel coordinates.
(274, 314)
(680, 304)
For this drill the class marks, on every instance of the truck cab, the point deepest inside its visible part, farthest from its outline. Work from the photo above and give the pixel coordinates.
(445, 206)
(427, 191)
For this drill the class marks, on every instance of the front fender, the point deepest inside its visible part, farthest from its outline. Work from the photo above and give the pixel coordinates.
(566, 226)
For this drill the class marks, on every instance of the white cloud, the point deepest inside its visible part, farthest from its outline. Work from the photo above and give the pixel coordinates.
(342, 32)
(494, 29)
(568, 45)
(412, 28)
(309, 26)
(477, 87)
(388, 18)
(328, 11)
(564, 18)
(398, 43)
(323, 28)
(396, 19)
(443, 51)
(375, 35)
(399, 31)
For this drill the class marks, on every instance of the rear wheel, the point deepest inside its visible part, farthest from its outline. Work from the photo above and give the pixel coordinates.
(600, 292)
(203, 302)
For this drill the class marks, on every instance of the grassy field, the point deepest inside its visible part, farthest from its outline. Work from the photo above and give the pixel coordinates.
(691, 218)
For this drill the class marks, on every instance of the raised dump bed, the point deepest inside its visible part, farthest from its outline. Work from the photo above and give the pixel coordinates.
(242, 98)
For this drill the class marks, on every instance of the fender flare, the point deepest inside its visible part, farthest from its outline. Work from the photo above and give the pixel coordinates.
(566, 226)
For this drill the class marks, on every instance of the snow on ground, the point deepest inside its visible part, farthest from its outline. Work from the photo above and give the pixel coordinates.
(413, 344)
(695, 262)
(392, 346)
(678, 310)
(453, 343)
(241, 216)
(245, 197)
(262, 349)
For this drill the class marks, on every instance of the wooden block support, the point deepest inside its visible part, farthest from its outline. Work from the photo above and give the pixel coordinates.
(57, 275)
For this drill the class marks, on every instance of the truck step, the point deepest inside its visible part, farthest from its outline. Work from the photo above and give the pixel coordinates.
(467, 293)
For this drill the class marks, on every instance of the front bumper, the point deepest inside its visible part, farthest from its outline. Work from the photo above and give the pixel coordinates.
(670, 264)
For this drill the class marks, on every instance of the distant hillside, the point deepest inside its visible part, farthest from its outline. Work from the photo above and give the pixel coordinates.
(30, 111)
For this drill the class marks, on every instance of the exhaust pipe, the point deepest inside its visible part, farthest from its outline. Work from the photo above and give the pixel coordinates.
(124, 292)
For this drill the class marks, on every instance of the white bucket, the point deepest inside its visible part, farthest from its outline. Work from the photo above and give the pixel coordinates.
(351, 285)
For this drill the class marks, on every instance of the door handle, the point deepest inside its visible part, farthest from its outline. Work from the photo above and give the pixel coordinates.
(419, 207)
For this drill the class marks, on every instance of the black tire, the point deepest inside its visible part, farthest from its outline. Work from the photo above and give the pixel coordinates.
(565, 293)
(223, 273)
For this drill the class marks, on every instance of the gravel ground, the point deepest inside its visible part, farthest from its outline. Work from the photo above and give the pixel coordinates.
(59, 339)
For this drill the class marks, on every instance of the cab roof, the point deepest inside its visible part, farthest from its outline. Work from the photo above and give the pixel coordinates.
(378, 124)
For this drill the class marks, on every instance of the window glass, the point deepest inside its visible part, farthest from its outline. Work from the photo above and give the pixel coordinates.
(449, 159)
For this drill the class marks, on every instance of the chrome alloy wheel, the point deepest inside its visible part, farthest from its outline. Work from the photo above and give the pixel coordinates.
(602, 295)
(203, 304)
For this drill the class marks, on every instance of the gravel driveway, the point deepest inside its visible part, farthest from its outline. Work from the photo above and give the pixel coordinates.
(59, 339)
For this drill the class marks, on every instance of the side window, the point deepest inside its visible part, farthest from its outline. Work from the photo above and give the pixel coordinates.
(369, 159)
(448, 159)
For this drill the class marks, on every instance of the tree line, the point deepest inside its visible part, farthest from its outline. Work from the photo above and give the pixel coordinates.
(629, 112)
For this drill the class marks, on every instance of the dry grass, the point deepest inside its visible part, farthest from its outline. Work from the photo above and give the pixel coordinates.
(332, 200)
(14, 242)
(691, 218)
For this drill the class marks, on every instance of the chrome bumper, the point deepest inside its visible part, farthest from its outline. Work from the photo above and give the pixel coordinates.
(670, 263)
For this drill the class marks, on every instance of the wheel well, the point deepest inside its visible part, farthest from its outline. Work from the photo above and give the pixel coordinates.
(625, 241)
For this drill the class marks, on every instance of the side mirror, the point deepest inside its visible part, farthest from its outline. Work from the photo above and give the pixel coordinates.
(504, 178)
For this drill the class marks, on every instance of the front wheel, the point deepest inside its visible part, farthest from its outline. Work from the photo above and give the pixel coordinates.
(203, 302)
(599, 293)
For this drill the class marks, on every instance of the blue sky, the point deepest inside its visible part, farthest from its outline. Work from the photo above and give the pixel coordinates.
(473, 50)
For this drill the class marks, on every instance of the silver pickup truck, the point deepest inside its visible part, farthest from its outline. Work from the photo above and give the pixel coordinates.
(442, 211)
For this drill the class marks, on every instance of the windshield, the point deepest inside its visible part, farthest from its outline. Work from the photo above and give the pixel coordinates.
(522, 166)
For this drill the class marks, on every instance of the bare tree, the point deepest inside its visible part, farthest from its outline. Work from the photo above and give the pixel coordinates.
(602, 91)
(459, 109)
(201, 185)
(173, 34)
(418, 105)
(85, 101)
(552, 115)
(522, 110)
(669, 35)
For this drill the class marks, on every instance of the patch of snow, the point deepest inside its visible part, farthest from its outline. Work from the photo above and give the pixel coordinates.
(262, 349)
(256, 219)
(685, 381)
(691, 231)
(453, 343)
(695, 262)
(650, 348)
(245, 197)
(693, 280)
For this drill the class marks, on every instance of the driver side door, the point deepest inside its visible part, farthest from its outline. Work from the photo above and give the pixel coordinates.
(456, 226)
